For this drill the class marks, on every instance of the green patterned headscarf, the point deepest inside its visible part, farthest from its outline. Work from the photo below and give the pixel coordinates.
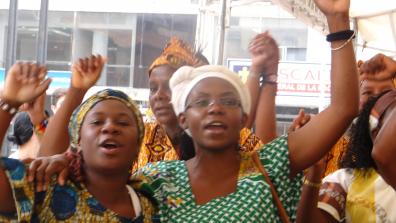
(81, 111)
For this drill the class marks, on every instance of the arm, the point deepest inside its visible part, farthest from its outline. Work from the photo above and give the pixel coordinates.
(384, 149)
(265, 58)
(24, 82)
(309, 143)
(307, 210)
(84, 75)
(36, 113)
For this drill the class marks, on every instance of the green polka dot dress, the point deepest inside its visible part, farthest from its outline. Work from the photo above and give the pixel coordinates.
(168, 184)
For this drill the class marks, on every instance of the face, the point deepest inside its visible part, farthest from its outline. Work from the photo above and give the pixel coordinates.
(160, 94)
(371, 88)
(109, 137)
(213, 114)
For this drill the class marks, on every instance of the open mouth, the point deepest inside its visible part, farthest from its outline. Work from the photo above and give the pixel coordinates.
(216, 125)
(107, 144)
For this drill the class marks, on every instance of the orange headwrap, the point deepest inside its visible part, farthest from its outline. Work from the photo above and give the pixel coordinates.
(177, 54)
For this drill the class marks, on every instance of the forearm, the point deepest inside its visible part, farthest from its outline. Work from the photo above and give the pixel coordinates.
(56, 137)
(344, 76)
(384, 150)
(307, 210)
(253, 84)
(266, 114)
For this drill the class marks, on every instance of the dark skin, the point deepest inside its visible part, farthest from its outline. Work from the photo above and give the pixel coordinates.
(110, 121)
(160, 95)
(213, 154)
(384, 147)
(206, 169)
(24, 83)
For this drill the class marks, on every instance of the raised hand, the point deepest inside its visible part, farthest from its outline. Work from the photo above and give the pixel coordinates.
(333, 7)
(87, 71)
(265, 55)
(379, 67)
(24, 83)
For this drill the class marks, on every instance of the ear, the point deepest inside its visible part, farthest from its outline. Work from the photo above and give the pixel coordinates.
(182, 120)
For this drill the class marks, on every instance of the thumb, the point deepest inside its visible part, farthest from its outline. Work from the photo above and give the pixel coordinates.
(43, 87)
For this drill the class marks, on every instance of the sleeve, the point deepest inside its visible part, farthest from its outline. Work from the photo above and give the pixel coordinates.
(249, 141)
(275, 158)
(143, 181)
(23, 191)
(333, 193)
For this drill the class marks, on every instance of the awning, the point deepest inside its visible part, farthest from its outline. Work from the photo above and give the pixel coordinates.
(375, 21)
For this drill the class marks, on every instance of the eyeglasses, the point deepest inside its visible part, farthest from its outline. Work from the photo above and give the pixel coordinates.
(206, 102)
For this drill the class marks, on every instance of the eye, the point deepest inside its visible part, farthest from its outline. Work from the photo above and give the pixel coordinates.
(153, 90)
(200, 102)
(96, 122)
(229, 102)
(123, 123)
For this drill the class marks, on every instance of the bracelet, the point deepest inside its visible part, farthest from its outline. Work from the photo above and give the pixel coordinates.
(270, 79)
(7, 107)
(312, 184)
(39, 129)
(341, 35)
(344, 44)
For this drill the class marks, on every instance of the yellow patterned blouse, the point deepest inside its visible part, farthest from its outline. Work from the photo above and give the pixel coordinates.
(157, 146)
(335, 155)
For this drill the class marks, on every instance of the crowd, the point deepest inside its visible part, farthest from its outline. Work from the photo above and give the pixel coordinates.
(97, 160)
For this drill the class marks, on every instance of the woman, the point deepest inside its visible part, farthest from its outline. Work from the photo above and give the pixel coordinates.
(376, 75)
(108, 129)
(356, 192)
(165, 139)
(220, 184)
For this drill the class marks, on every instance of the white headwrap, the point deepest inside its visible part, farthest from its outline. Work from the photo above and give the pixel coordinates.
(186, 78)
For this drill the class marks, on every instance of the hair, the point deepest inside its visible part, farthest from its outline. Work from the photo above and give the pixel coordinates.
(58, 93)
(358, 153)
(22, 129)
(186, 146)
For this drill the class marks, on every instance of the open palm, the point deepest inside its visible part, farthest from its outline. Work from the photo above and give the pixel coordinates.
(24, 83)
(87, 71)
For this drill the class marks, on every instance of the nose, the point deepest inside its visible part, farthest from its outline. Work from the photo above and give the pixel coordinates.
(162, 94)
(110, 127)
(214, 107)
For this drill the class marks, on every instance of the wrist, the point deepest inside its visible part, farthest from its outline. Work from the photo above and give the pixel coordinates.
(37, 119)
(9, 106)
(314, 184)
(338, 22)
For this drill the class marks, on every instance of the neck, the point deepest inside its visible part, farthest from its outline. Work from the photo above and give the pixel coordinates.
(112, 183)
(173, 131)
(209, 162)
(29, 149)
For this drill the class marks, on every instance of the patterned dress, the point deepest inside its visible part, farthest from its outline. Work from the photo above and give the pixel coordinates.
(68, 203)
(168, 183)
(357, 195)
(157, 146)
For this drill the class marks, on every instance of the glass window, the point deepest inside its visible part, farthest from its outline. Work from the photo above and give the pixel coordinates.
(27, 31)
(153, 32)
(3, 36)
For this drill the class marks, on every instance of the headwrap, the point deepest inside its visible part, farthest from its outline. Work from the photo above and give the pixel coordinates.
(379, 109)
(81, 111)
(186, 78)
(178, 53)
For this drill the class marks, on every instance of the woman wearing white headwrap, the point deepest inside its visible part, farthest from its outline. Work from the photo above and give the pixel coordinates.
(220, 184)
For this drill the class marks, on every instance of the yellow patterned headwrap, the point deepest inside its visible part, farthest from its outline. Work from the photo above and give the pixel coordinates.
(177, 54)
(81, 111)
